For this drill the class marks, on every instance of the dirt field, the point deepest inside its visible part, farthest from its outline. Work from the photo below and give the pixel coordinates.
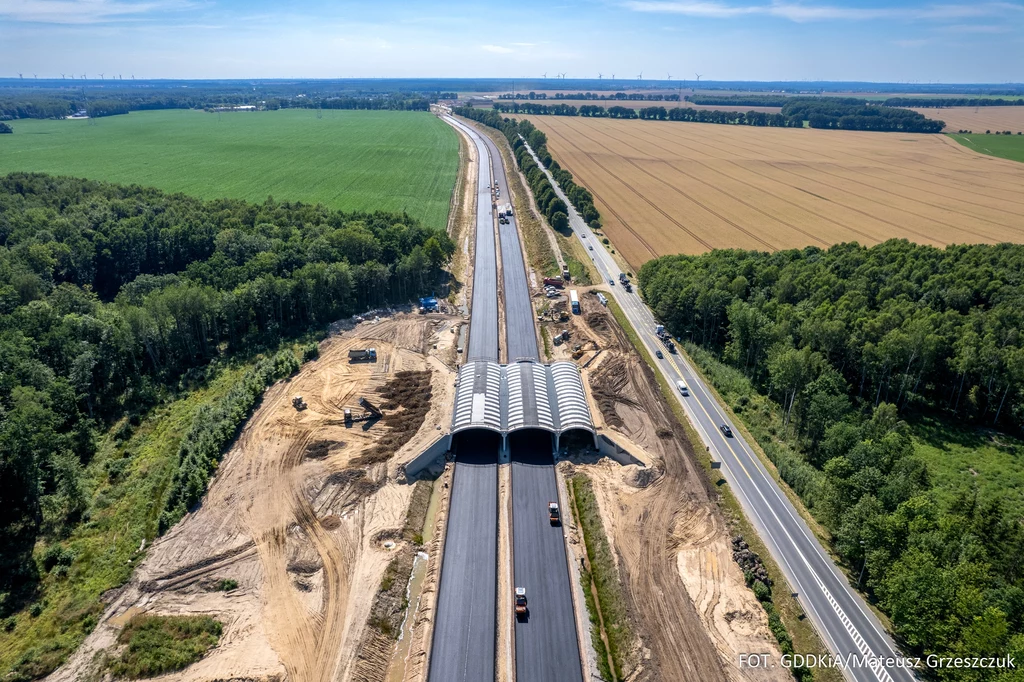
(299, 518)
(979, 119)
(692, 609)
(672, 187)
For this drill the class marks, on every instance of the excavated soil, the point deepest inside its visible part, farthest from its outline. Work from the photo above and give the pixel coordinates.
(302, 519)
(691, 608)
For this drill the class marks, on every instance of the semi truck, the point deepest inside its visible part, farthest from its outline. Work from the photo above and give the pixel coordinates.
(363, 354)
(574, 300)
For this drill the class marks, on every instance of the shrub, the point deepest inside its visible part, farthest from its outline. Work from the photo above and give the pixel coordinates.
(162, 644)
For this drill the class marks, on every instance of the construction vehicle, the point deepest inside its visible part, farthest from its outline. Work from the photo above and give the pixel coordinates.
(602, 298)
(574, 300)
(298, 403)
(554, 282)
(554, 515)
(371, 408)
(371, 412)
(359, 354)
(520, 602)
(565, 274)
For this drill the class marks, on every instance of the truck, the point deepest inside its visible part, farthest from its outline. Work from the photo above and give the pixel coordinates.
(361, 354)
(574, 300)
(298, 403)
(554, 515)
(554, 282)
(520, 603)
(565, 274)
(508, 209)
(622, 278)
(602, 298)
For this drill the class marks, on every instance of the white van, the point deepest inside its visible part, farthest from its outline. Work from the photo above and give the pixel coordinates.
(682, 388)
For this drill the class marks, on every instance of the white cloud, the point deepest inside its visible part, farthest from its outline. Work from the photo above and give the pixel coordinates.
(81, 11)
(803, 12)
(497, 49)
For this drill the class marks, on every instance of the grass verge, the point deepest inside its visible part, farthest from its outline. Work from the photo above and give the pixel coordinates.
(610, 632)
(155, 645)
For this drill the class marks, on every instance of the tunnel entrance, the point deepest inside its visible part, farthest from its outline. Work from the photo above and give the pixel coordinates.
(476, 446)
(532, 446)
(576, 439)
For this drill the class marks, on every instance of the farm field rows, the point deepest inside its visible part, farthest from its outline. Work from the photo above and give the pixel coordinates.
(349, 160)
(978, 119)
(673, 187)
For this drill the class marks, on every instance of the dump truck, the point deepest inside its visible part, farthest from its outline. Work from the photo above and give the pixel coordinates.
(575, 301)
(554, 515)
(554, 282)
(520, 602)
(371, 408)
(298, 403)
(360, 354)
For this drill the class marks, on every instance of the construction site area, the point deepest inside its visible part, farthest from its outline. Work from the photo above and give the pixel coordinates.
(321, 543)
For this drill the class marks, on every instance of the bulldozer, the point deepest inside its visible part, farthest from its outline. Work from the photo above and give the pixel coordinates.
(298, 403)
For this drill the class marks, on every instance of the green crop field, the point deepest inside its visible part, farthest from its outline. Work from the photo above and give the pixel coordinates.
(1004, 146)
(350, 160)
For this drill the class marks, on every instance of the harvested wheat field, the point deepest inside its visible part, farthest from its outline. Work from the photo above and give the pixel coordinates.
(978, 119)
(672, 187)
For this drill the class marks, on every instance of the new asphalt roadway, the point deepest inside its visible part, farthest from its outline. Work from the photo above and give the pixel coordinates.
(464, 636)
(840, 616)
(547, 646)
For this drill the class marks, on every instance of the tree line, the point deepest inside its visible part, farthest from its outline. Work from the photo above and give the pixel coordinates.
(34, 105)
(632, 96)
(553, 208)
(750, 100)
(110, 294)
(942, 102)
(851, 113)
(752, 118)
(853, 344)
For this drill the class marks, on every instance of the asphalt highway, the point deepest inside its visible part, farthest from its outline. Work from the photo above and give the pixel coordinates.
(547, 648)
(840, 616)
(463, 646)
(464, 633)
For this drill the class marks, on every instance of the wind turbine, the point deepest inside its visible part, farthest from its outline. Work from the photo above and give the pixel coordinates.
(545, 74)
(670, 76)
(120, 77)
(613, 76)
(62, 77)
(35, 76)
(641, 76)
(85, 77)
(21, 77)
(101, 76)
(599, 76)
(698, 78)
(133, 76)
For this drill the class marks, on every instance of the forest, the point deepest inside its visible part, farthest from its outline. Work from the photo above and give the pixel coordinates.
(553, 208)
(851, 348)
(110, 294)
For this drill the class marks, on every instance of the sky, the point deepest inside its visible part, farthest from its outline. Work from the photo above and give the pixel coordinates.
(949, 41)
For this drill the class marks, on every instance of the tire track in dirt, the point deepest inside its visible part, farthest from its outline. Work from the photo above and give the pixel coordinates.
(690, 197)
(643, 198)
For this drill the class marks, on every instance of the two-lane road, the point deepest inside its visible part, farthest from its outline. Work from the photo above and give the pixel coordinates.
(838, 613)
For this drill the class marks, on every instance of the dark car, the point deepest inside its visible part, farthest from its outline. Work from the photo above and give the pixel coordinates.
(726, 430)
(659, 354)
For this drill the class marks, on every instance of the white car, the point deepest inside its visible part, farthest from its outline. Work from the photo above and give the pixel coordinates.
(683, 390)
